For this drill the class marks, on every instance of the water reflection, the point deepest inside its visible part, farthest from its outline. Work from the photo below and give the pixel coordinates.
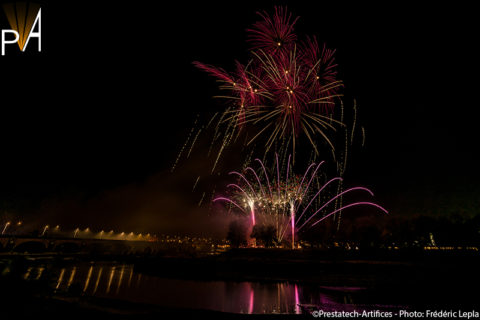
(139, 278)
(100, 270)
(27, 274)
(297, 301)
(250, 304)
(72, 276)
(112, 273)
(120, 281)
(130, 278)
(39, 273)
(87, 281)
(60, 278)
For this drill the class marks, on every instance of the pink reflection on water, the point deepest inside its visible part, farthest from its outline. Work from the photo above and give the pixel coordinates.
(297, 301)
(325, 300)
(250, 302)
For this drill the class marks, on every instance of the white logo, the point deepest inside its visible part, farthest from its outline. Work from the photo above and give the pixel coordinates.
(25, 21)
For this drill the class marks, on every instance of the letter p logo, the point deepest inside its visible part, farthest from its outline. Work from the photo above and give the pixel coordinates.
(5, 41)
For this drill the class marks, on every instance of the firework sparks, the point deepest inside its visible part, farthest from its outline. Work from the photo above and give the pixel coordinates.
(273, 34)
(292, 201)
(287, 89)
(185, 145)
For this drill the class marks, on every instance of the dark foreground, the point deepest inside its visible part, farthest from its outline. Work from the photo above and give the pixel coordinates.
(417, 279)
(414, 280)
(76, 308)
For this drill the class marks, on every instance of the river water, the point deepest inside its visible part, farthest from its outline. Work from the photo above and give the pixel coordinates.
(120, 281)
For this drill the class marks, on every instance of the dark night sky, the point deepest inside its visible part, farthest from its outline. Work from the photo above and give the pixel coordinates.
(100, 115)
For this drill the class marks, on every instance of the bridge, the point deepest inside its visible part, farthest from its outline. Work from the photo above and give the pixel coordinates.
(29, 244)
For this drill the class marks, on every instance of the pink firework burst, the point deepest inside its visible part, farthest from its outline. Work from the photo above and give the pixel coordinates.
(322, 69)
(273, 34)
(285, 89)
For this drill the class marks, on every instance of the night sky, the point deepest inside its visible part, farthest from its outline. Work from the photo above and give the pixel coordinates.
(90, 127)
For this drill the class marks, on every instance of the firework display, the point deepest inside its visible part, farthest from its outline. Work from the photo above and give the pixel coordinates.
(286, 91)
(285, 98)
(289, 202)
(229, 159)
